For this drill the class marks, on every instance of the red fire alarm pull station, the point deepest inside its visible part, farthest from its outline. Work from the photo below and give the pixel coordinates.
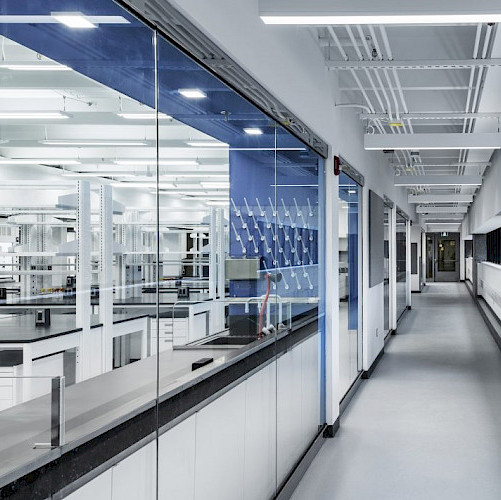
(337, 165)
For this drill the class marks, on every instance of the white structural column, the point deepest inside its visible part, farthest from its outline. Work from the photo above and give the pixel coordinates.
(218, 320)
(393, 269)
(106, 276)
(83, 307)
(331, 294)
(408, 287)
(213, 254)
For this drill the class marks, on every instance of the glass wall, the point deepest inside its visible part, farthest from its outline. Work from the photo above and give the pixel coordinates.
(387, 263)
(350, 327)
(157, 231)
(401, 233)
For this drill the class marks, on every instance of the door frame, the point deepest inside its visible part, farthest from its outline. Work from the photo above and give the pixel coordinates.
(442, 276)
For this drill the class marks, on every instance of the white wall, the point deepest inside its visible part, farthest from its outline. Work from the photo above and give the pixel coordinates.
(484, 214)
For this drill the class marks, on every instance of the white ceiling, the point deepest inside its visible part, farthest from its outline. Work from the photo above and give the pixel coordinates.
(393, 95)
(93, 111)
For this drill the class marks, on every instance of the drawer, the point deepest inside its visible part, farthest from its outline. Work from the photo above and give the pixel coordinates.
(4, 381)
(180, 340)
(163, 345)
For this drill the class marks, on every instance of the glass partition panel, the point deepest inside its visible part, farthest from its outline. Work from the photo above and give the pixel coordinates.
(71, 237)
(350, 331)
(401, 233)
(298, 249)
(387, 262)
(218, 278)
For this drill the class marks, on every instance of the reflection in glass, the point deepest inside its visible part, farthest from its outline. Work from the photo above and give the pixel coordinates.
(349, 266)
(401, 233)
(387, 246)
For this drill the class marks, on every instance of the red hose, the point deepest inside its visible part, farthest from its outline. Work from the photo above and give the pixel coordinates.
(261, 313)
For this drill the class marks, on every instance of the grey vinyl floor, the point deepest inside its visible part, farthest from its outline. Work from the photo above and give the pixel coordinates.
(427, 425)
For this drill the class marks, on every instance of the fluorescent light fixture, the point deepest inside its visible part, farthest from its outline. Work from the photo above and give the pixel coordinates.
(324, 20)
(207, 144)
(96, 174)
(352, 191)
(35, 67)
(206, 197)
(215, 185)
(37, 161)
(14, 93)
(193, 93)
(153, 161)
(33, 115)
(73, 20)
(144, 116)
(217, 203)
(71, 142)
(200, 175)
(162, 185)
(253, 131)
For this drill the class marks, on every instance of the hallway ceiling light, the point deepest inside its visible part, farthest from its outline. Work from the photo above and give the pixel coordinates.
(253, 131)
(70, 142)
(153, 162)
(35, 67)
(144, 116)
(33, 115)
(341, 20)
(73, 20)
(37, 161)
(193, 93)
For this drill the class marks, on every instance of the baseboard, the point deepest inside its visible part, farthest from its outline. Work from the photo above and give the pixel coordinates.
(368, 373)
(290, 484)
(343, 404)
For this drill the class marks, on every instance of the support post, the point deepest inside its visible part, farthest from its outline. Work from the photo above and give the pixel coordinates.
(58, 424)
(106, 276)
(83, 307)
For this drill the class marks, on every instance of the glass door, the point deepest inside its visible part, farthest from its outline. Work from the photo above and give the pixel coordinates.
(401, 233)
(350, 324)
(446, 257)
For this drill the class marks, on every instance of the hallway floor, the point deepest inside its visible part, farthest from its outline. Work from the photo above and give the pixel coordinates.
(427, 425)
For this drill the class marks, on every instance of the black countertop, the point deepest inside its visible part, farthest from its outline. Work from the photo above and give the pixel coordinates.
(21, 328)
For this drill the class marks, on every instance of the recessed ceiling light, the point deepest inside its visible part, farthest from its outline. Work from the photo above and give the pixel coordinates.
(33, 115)
(207, 144)
(144, 116)
(153, 162)
(37, 161)
(193, 93)
(35, 67)
(253, 131)
(73, 20)
(70, 142)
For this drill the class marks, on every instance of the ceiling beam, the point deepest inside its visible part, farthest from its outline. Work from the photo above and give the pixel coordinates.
(429, 116)
(413, 64)
(438, 180)
(440, 198)
(380, 142)
(441, 210)
(448, 165)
